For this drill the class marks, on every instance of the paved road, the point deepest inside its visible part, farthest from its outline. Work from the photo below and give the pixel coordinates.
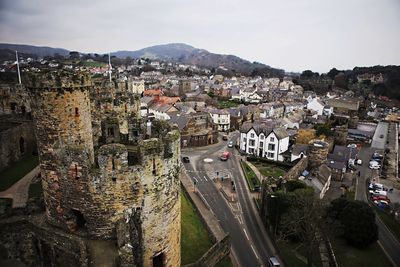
(387, 241)
(250, 244)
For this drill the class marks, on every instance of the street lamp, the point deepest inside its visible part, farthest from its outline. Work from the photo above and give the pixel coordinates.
(276, 214)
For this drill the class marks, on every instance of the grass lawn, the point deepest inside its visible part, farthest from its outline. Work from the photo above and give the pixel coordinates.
(292, 257)
(225, 262)
(349, 256)
(35, 190)
(93, 64)
(227, 104)
(11, 175)
(268, 169)
(251, 177)
(389, 221)
(195, 240)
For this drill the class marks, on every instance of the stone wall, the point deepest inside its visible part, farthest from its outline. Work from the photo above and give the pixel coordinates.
(17, 140)
(34, 243)
(317, 153)
(215, 254)
(296, 170)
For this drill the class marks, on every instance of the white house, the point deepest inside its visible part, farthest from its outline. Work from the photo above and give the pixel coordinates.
(264, 140)
(327, 111)
(137, 86)
(316, 105)
(222, 118)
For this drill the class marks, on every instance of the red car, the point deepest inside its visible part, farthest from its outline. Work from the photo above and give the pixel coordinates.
(377, 198)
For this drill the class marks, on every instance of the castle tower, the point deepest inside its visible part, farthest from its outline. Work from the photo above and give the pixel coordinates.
(318, 153)
(125, 191)
(64, 135)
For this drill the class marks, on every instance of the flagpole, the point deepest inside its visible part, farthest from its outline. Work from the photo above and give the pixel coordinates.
(19, 74)
(109, 65)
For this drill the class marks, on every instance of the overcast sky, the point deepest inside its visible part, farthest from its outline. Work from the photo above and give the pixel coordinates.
(291, 34)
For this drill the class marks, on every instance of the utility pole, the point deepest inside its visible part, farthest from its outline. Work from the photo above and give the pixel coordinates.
(19, 74)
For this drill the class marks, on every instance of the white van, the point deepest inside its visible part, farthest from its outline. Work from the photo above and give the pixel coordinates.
(273, 262)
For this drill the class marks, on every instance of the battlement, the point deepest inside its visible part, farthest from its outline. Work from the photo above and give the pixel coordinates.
(57, 79)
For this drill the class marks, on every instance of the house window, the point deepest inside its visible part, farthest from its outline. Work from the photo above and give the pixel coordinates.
(272, 139)
(270, 155)
(251, 150)
(251, 142)
(262, 137)
(271, 146)
(252, 135)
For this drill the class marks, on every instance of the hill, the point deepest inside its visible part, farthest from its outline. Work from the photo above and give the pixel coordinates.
(40, 51)
(186, 54)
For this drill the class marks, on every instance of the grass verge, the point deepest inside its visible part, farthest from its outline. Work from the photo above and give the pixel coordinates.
(225, 262)
(292, 257)
(195, 240)
(347, 255)
(251, 177)
(13, 174)
(389, 221)
(268, 169)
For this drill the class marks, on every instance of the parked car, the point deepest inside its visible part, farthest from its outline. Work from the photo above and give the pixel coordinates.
(352, 145)
(381, 202)
(359, 162)
(273, 262)
(376, 155)
(374, 198)
(185, 160)
(230, 144)
(374, 165)
(225, 156)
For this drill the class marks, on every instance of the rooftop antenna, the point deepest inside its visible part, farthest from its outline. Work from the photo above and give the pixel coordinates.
(109, 65)
(19, 74)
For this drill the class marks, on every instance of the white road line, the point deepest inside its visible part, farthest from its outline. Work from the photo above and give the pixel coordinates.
(205, 178)
(254, 251)
(245, 233)
(195, 180)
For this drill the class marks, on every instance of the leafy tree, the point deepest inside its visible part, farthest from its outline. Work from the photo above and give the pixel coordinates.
(323, 129)
(357, 221)
(293, 185)
(332, 73)
(304, 136)
(341, 81)
(308, 74)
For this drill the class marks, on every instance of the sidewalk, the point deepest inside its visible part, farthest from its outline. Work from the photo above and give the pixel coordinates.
(18, 192)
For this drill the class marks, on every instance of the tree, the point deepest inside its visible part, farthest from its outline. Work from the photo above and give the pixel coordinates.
(332, 73)
(304, 136)
(293, 185)
(303, 222)
(323, 129)
(357, 221)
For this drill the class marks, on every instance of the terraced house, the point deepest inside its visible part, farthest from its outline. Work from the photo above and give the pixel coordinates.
(264, 140)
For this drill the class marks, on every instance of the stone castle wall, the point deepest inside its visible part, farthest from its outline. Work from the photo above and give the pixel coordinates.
(126, 187)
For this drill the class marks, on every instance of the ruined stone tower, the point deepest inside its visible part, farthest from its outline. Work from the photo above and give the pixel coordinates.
(122, 188)
(317, 153)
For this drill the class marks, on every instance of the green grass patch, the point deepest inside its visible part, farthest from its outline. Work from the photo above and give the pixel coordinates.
(389, 221)
(251, 177)
(347, 255)
(13, 174)
(292, 257)
(269, 169)
(93, 64)
(195, 240)
(227, 104)
(225, 262)
(35, 190)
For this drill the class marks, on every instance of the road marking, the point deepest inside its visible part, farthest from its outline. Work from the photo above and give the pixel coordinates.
(245, 233)
(195, 180)
(254, 252)
(205, 178)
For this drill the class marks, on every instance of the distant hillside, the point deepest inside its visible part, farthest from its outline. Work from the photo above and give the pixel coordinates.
(40, 51)
(186, 54)
(177, 52)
